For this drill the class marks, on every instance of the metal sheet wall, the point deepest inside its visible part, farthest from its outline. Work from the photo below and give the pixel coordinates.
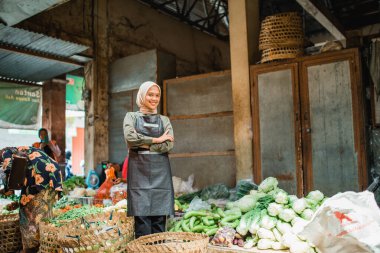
(200, 110)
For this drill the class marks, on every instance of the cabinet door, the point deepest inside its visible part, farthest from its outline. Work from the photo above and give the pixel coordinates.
(275, 107)
(331, 99)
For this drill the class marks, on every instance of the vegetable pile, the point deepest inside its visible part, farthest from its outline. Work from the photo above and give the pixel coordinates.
(9, 204)
(74, 214)
(73, 182)
(268, 218)
(180, 207)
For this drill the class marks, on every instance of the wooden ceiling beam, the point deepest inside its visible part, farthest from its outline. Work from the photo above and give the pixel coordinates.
(324, 17)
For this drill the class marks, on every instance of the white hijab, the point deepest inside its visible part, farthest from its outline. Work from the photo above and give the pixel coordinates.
(140, 99)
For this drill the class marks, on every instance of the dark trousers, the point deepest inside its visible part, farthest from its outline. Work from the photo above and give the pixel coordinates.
(146, 225)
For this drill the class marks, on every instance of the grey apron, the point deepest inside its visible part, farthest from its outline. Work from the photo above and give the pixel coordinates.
(150, 186)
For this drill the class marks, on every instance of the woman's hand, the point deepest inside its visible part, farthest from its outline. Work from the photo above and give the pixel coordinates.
(118, 181)
(165, 137)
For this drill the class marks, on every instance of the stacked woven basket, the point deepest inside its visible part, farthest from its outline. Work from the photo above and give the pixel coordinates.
(10, 236)
(281, 37)
(106, 232)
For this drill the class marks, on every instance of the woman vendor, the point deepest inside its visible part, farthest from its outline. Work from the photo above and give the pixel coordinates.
(149, 137)
(42, 182)
(50, 147)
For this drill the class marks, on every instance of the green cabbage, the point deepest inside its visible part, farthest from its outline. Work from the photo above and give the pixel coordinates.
(315, 195)
(269, 184)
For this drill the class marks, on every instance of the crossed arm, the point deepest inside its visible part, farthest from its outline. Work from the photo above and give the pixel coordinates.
(162, 144)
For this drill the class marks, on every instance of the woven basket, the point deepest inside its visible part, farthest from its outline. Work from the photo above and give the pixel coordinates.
(48, 238)
(169, 242)
(281, 53)
(281, 37)
(109, 232)
(10, 235)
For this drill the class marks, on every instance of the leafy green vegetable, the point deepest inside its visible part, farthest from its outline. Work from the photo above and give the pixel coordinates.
(75, 214)
(281, 197)
(269, 184)
(73, 182)
(65, 201)
(315, 195)
(243, 187)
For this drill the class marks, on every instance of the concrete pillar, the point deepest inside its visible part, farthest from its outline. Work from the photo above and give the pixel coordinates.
(96, 73)
(244, 31)
(54, 112)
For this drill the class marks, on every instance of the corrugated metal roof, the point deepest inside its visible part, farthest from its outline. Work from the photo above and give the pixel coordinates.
(15, 11)
(36, 57)
(31, 68)
(38, 42)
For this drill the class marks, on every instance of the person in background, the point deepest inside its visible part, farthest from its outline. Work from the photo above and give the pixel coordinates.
(50, 147)
(42, 184)
(149, 137)
(68, 167)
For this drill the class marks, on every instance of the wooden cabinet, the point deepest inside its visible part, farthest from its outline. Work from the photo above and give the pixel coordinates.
(308, 123)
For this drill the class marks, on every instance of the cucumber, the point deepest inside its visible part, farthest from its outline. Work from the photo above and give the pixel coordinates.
(220, 212)
(230, 224)
(192, 221)
(185, 226)
(199, 228)
(211, 231)
(178, 225)
(230, 218)
(195, 213)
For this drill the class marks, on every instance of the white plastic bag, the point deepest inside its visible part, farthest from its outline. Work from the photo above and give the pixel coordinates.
(187, 186)
(347, 222)
(198, 204)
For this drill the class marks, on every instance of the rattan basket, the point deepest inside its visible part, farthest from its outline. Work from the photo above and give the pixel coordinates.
(48, 238)
(281, 53)
(110, 233)
(169, 242)
(281, 37)
(10, 235)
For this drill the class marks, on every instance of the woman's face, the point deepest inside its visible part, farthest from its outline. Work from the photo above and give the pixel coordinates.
(152, 98)
(43, 135)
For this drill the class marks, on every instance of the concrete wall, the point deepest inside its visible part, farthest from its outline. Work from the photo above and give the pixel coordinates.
(134, 28)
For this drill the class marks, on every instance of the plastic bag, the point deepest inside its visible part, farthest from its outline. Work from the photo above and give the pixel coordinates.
(224, 237)
(118, 192)
(177, 181)
(78, 192)
(198, 204)
(346, 222)
(217, 191)
(187, 186)
(244, 186)
(375, 151)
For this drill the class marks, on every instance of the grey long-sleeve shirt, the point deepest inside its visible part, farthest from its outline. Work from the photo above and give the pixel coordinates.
(134, 139)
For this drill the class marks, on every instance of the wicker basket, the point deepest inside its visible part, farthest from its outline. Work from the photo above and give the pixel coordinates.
(281, 37)
(48, 238)
(281, 53)
(10, 235)
(169, 242)
(108, 232)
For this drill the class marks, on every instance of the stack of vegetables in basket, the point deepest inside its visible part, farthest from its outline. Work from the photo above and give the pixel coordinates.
(268, 218)
(9, 204)
(106, 232)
